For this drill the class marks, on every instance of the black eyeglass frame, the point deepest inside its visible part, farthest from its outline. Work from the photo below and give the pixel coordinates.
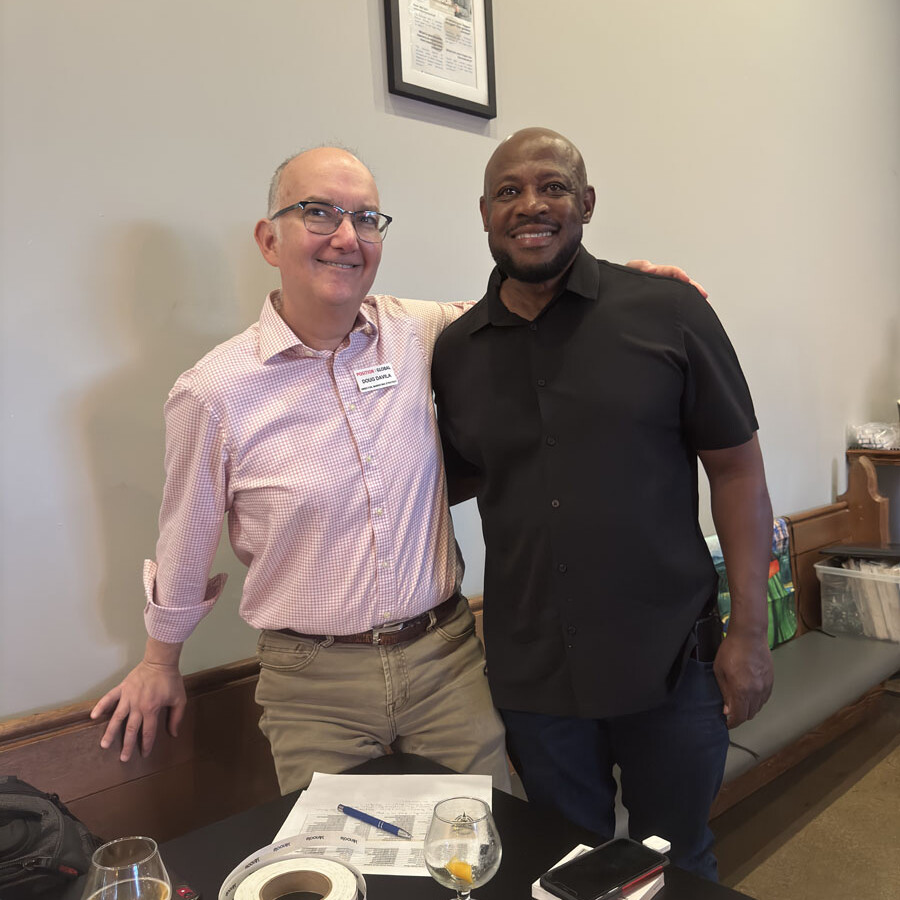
(343, 212)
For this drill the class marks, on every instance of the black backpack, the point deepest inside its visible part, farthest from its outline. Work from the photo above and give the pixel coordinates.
(42, 845)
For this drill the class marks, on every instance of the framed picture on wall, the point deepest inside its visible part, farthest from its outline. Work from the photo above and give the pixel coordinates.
(442, 52)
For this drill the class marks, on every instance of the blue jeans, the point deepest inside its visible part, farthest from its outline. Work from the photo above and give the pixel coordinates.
(672, 759)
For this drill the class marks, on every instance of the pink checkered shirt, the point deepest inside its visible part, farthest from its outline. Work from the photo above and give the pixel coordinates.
(335, 498)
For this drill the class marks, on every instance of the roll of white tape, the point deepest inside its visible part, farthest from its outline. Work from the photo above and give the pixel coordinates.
(317, 876)
(283, 868)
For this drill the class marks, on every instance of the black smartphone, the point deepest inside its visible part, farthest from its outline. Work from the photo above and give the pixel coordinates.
(605, 871)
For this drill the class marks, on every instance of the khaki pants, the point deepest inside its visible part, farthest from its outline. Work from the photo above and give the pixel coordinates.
(329, 706)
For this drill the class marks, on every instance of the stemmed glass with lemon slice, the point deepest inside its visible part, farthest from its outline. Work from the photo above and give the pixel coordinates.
(127, 869)
(462, 847)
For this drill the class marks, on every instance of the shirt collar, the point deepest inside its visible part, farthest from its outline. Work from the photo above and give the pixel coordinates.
(584, 276)
(276, 336)
(583, 279)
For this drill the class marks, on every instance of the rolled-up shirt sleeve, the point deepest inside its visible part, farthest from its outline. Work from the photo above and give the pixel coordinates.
(178, 589)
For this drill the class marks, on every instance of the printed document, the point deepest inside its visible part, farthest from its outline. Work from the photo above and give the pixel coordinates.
(404, 800)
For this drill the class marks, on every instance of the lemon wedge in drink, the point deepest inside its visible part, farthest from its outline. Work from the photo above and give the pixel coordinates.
(459, 869)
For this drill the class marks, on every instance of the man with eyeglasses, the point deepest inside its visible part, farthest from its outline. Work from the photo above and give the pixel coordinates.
(314, 431)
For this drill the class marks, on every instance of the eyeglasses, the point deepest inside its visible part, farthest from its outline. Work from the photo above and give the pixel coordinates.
(323, 218)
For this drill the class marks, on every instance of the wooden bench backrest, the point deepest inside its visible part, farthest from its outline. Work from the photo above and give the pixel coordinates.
(858, 516)
(218, 765)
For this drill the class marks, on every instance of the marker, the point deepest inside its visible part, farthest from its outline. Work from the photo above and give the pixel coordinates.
(371, 820)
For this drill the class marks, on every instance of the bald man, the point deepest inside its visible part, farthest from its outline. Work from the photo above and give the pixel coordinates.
(314, 432)
(574, 399)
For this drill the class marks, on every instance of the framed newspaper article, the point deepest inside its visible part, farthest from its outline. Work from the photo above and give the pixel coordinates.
(442, 52)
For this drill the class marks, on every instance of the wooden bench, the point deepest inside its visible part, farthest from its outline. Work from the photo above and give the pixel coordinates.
(823, 685)
(220, 763)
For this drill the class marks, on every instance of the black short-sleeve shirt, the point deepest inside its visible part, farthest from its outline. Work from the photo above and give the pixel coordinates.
(584, 427)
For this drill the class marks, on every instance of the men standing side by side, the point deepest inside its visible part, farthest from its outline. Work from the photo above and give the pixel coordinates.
(314, 432)
(575, 399)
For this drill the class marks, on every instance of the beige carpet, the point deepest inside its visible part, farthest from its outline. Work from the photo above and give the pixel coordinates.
(849, 850)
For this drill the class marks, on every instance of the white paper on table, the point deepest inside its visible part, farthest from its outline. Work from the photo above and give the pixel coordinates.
(404, 800)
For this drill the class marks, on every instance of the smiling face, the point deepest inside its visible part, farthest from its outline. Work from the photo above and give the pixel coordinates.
(535, 203)
(320, 273)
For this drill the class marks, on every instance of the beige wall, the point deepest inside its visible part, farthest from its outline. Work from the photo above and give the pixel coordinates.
(756, 143)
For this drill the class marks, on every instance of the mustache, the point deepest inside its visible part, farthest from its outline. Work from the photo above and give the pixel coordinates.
(533, 220)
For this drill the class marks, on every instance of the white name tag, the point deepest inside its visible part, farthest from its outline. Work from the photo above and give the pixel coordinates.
(375, 377)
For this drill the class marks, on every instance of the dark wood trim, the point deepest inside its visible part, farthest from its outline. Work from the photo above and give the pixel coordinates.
(869, 510)
(78, 714)
(878, 457)
(218, 765)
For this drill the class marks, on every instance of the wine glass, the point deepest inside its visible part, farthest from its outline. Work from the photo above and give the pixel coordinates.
(462, 847)
(129, 868)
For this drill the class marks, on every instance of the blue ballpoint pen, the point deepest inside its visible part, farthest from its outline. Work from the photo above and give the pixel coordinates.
(371, 820)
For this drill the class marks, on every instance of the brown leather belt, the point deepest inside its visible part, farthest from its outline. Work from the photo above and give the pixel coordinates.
(398, 633)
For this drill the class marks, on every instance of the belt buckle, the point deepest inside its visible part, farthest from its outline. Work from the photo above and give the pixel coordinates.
(387, 629)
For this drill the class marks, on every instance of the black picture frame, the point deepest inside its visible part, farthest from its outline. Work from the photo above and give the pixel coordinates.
(421, 35)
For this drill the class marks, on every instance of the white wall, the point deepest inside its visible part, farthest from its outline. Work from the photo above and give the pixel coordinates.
(755, 143)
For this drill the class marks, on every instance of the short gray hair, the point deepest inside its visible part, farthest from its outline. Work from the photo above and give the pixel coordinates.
(275, 183)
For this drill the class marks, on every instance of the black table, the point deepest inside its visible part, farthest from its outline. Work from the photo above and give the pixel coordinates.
(532, 842)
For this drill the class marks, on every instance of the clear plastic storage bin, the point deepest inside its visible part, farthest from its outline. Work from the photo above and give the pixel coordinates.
(863, 602)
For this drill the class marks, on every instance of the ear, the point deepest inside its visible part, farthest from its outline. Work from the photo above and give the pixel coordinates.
(483, 206)
(267, 240)
(587, 202)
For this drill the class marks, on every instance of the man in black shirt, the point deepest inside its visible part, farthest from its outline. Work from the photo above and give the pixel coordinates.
(574, 401)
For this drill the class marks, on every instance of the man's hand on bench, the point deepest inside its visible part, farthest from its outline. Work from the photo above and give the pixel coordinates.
(154, 686)
(743, 669)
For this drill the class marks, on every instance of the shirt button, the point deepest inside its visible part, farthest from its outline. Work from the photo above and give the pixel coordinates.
(368, 459)
(352, 406)
(554, 504)
(384, 564)
(541, 382)
(533, 326)
(571, 629)
(378, 510)
(551, 441)
(562, 567)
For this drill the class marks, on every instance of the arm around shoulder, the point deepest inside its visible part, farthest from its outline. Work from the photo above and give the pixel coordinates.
(644, 265)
